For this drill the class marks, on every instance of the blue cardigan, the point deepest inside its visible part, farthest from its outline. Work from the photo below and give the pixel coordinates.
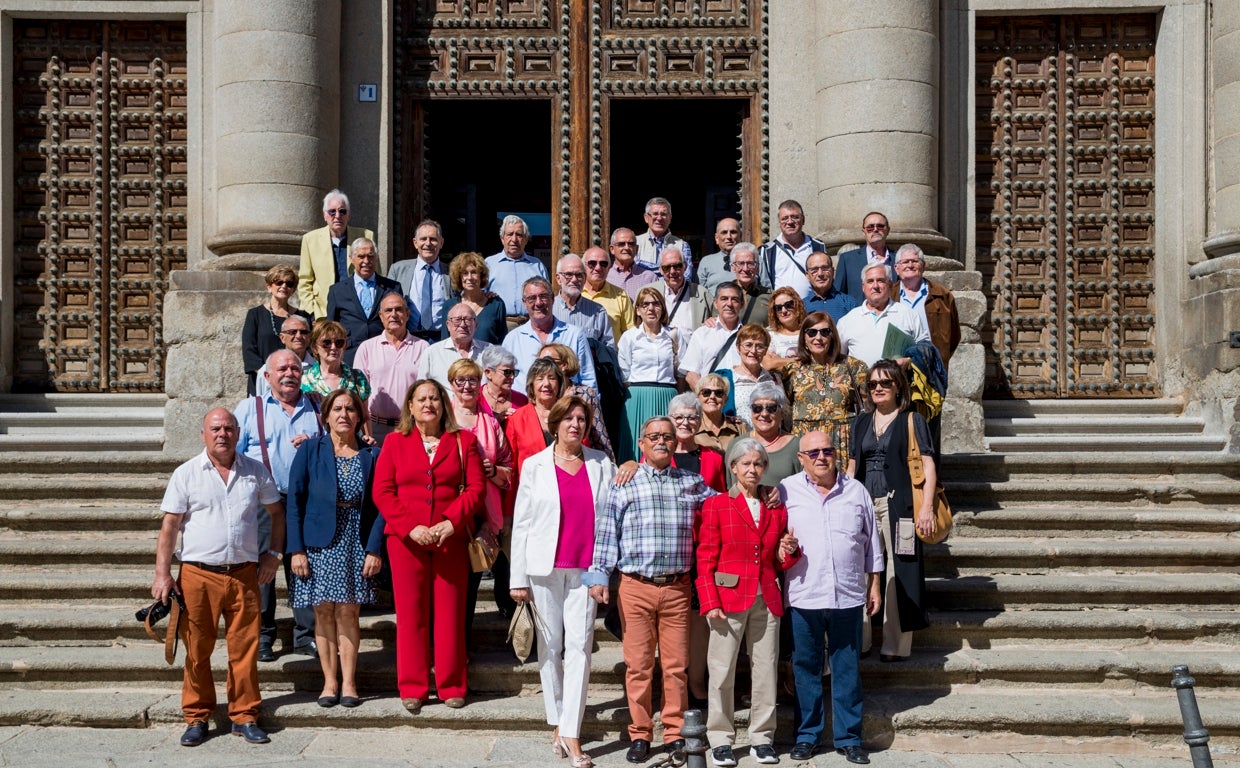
(311, 505)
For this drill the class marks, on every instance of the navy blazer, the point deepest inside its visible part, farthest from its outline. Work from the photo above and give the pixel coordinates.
(344, 307)
(848, 271)
(311, 506)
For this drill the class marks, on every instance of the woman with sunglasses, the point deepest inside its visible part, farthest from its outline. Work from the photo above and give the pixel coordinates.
(824, 384)
(784, 323)
(327, 343)
(465, 378)
(879, 459)
(260, 335)
(648, 355)
(767, 407)
(717, 429)
(499, 367)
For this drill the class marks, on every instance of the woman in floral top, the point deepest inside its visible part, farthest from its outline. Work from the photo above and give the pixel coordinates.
(327, 343)
(825, 386)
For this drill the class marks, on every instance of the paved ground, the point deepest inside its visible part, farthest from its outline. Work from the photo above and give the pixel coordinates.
(38, 747)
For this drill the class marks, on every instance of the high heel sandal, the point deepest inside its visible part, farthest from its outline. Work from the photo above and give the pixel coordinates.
(581, 761)
(558, 748)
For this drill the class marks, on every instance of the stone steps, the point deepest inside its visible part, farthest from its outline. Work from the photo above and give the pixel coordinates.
(1109, 444)
(1083, 590)
(1061, 521)
(1074, 425)
(73, 423)
(107, 515)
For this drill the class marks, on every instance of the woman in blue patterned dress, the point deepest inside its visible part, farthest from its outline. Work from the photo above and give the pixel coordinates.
(335, 537)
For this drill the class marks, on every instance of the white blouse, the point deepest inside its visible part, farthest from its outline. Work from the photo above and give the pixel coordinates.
(784, 345)
(646, 358)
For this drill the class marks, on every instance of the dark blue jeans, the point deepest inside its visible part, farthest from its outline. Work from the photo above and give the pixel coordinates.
(843, 630)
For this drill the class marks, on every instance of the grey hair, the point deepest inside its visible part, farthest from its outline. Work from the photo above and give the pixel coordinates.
(299, 318)
(617, 231)
(335, 194)
(891, 278)
(659, 201)
(911, 249)
(511, 219)
(569, 256)
(743, 446)
(494, 356)
(536, 280)
(743, 248)
(646, 424)
(685, 401)
(358, 243)
(769, 390)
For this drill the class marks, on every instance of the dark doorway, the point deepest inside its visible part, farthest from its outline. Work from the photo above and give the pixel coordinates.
(688, 151)
(486, 159)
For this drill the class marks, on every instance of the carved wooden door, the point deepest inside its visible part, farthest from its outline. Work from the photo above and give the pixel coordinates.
(1065, 204)
(578, 56)
(100, 216)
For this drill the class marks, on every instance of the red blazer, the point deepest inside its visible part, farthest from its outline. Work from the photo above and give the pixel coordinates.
(410, 491)
(729, 542)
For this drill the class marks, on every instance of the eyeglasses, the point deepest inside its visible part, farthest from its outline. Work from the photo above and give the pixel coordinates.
(285, 283)
(507, 373)
(538, 298)
(660, 437)
(337, 211)
(768, 408)
(295, 332)
(597, 264)
(332, 343)
(744, 264)
(674, 267)
(687, 418)
(650, 304)
(814, 454)
(461, 320)
(811, 333)
(708, 392)
(785, 307)
(874, 227)
(572, 275)
(819, 269)
(907, 263)
(753, 346)
(464, 383)
(790, 219)
(625, 243)
(882, 384)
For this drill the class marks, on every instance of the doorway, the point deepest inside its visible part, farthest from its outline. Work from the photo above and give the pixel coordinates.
(688, 151)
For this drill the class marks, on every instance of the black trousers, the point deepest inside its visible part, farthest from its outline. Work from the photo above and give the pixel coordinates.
(303, 618)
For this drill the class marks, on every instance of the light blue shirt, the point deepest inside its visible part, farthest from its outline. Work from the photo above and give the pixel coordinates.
(361, 286)
(508, 275)
(590, 316)
(279, 427)
(524, 344)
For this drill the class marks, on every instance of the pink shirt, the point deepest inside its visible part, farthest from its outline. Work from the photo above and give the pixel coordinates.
(575, 548)
(390, 369)
(494, 447)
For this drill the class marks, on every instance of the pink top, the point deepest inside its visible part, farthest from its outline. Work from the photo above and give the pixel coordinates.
(390, 369)
(575, 548)
(493, 446)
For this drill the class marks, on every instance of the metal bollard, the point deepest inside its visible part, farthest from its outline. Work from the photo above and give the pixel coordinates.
(1195, 734)
(694, 734)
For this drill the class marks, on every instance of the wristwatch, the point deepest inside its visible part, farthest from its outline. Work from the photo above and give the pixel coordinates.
(275, 554)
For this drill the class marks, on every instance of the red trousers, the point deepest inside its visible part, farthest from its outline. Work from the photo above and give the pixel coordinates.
(423, 579)
(209, 595)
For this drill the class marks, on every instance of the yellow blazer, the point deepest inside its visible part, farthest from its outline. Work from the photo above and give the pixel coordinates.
(317, 259)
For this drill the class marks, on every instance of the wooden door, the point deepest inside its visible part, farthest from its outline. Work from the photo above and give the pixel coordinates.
(100, 214)
(1065, 204)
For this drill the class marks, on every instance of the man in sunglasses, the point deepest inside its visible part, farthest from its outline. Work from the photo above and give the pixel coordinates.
(688, 304)
(782, 261)
(716, 267)
(645, 530)
(626, 273)
(822, 296)
(832, 586)
(875, 251)
(295, 333)
(325, 253)
(612, 298)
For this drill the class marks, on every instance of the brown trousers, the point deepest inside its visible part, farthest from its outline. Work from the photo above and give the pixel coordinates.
(209, 595)
(655, 615)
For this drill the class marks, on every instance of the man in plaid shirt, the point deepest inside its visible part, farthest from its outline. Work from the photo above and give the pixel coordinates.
(646, 531)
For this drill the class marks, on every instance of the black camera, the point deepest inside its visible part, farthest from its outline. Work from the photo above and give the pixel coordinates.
(157, 611)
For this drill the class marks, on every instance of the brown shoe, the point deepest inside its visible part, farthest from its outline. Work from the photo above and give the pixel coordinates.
(413, 705)
(456, 702)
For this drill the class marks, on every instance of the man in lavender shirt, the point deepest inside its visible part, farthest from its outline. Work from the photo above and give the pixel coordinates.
(832, 587)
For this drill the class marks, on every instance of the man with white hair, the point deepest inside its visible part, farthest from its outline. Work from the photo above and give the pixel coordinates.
(570, 306)
(863, 331)
(325, 253)
(934, 303)
(716, 268)
(460, 344)
(511, 267)
(658, 237)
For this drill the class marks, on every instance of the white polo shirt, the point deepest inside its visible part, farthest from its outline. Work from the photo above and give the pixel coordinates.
(219, 523)
(862, 330)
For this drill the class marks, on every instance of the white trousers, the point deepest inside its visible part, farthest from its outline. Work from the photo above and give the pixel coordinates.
(565, 641)
(759, 628)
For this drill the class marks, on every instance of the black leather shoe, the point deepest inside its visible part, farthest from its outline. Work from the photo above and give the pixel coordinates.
(854, 754)
(803, 751)
(676, 745)
(265, 653)
(307, 649)
(250, 732)
(639, 751)
(195, 734)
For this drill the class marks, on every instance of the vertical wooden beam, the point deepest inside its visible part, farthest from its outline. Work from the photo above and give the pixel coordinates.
(578, 96)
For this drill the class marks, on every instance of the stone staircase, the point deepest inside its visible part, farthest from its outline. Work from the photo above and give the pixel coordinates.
(1077, 577)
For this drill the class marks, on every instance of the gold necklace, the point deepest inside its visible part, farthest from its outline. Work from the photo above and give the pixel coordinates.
(881, 429)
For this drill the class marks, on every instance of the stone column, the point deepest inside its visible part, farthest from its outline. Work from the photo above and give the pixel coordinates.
(877, 73)
(1224, 240)
(275, 96)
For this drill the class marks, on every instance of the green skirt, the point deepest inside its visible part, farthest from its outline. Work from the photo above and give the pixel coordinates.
(641, 401)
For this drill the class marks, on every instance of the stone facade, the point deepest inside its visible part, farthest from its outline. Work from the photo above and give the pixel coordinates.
(870, 107)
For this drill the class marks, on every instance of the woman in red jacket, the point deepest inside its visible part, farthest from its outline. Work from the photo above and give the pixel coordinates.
(742, 544)
(430, 488)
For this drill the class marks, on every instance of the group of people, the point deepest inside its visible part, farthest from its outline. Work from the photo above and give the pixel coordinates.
(744, 470)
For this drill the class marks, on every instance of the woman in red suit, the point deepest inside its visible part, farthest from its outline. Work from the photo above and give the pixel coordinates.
(741, 599)
(430, 487)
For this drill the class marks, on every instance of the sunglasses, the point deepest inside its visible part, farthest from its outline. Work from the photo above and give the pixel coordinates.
(882, 384)
(708, 392)
(811, 333)
(771, 409)
(295, 332)
(507, 373)
(337, 211)
(330, 343)
(671, 267)
(596, 264)
(785, 307)
(814, 454)
(874, 227)
(285, 283)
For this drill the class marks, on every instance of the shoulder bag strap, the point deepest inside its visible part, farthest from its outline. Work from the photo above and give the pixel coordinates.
(915, 471)
(262, 432)
(676, 306)
(753, 300)
(460, 453)
(724, 350)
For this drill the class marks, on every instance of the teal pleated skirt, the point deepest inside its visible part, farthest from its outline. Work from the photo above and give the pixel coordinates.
(641, 401)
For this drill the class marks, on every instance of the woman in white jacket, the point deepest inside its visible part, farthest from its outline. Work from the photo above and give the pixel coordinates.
(552, 547)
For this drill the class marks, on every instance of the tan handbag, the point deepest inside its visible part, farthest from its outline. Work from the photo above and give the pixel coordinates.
(522, 629)
(482, 553)
(916, 473)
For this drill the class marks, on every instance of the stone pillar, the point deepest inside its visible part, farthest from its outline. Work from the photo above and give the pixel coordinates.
(1224, 240)
(275, 96)
(877, 72)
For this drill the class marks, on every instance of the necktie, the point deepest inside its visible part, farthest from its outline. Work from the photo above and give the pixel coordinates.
(341, 252)
(425, 307)
(367, 297)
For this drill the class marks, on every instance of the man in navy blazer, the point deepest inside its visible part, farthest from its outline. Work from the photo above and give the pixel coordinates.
(849, 266)
(347, 299)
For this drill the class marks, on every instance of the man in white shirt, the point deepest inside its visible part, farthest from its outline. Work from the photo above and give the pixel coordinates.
(295, 333)
(782, 261)
(462, 322)
(212, 503)
(864, 330)
(714, 346)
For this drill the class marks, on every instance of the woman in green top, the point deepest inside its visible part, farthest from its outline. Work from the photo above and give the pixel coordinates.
(327, 343)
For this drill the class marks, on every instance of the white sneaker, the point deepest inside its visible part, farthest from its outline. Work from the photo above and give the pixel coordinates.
(723, 756)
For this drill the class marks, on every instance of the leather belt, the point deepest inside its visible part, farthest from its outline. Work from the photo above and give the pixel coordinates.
(217, 568)
(384, 422)
(659, 581)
